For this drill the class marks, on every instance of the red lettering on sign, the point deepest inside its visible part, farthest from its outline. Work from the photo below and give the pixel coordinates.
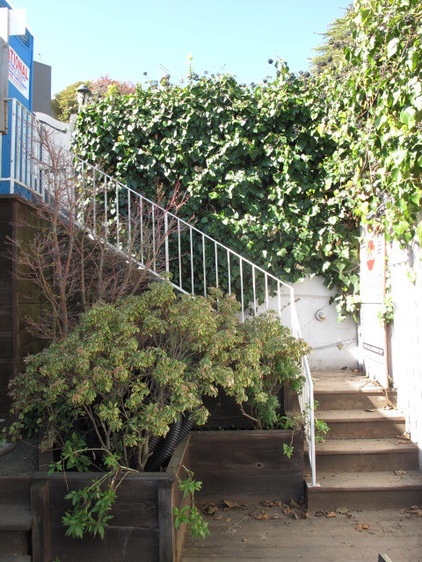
(370, 255)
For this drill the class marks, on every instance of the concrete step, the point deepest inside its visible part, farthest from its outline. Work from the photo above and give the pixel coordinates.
(15, 529)
(350, 400)
(348, 390)
(362, 424)
(366, 455)
(365, 490)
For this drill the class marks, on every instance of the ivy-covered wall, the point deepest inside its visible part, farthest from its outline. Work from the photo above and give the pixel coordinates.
(286, 170)
(252, 159)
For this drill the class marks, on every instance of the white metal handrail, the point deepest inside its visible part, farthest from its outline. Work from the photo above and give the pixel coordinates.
(155, 237)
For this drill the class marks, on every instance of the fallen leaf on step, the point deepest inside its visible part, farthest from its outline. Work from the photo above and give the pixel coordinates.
(370, 410)
(210, 508)
(271, 503)
(331, 514)
(343, 510)
(262, 516)
(399, 472)
(231, 505)
(293, 503)
(415, 510)
(404, 436)
(362, 527)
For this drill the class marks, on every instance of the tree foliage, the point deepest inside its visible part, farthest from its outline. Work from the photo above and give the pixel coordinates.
(286, 170)
(65, 103)
(374, 116)
(331, 53)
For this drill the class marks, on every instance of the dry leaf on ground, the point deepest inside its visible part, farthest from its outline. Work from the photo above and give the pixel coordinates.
(231, 505)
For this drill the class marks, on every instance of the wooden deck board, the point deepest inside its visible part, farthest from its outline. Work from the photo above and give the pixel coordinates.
(358, 536)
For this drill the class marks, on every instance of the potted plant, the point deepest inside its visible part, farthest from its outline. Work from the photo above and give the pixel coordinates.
(116, 396)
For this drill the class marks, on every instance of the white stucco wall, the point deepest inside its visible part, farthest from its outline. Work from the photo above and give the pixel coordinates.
(334, 343)
(405, 348)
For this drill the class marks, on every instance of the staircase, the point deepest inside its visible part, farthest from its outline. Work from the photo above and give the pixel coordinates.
(16, 478)
(366, 460)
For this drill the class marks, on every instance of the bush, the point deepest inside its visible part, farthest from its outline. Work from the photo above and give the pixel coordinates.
(131, 370)
(137, 371)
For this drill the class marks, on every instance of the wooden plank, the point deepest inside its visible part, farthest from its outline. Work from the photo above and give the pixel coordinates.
(235, 535)
(133, 530)
(122, 544)
(177, 466)
(6, 345)
(135, 506)
(15, 517)
(239, 465)
(245, 450)
(165, 523)
(41, 525)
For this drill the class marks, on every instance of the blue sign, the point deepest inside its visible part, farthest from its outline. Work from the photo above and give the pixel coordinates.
(21, 57)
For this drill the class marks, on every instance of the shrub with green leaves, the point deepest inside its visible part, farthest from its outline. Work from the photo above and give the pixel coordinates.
(129, 371)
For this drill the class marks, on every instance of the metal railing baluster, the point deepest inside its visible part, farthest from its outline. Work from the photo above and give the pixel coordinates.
(166, 242)
(216, 264)
(204, 265)
(242, 296)
(179, 251)
(141, 226)
(154, 251)
(255, 308)
(229, 279)
(191, 263)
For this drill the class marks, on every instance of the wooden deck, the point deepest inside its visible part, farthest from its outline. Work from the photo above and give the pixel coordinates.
(259, 532)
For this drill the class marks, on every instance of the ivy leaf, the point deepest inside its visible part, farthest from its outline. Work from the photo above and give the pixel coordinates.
(392, 47)
(408, 117)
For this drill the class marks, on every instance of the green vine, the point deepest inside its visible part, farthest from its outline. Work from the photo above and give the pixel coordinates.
(286, 170)
(190, 514)
(251, 158)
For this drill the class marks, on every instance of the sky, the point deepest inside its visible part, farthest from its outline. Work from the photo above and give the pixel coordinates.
(123, 39)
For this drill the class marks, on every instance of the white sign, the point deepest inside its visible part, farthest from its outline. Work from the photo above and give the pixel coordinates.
(372, 287)
(18, 73)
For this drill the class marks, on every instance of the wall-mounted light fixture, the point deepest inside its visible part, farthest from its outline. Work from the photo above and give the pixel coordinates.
(83, 95)
(320, 315)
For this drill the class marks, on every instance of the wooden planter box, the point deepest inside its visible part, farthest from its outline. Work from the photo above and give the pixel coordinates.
(245, 465)
(142, 527)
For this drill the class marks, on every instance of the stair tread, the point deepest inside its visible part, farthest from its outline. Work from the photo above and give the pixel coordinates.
(6, 448)
(359, 415)
(352, 446)
(370, 480)
(15, 517)
(344, 381)
(17, 558)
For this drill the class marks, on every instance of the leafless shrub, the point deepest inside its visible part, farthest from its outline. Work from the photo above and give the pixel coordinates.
(94, 240)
